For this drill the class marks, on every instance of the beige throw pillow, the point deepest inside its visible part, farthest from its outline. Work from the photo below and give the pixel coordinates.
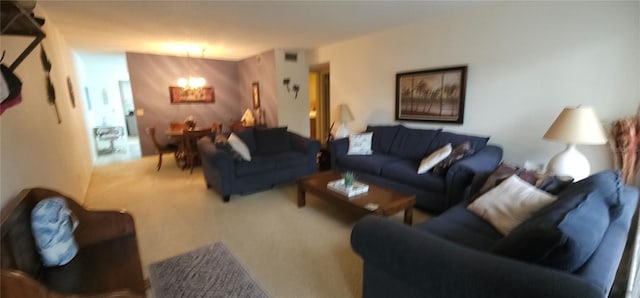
(510, 203)
(434, 158)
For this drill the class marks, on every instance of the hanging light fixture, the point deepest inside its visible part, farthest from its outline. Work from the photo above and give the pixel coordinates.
(191, 82)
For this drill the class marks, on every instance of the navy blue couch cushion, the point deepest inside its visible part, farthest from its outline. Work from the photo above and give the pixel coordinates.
(405, 171)
(272, 140)
(247, 136)
(445, 138)
(463, 227)
(382, 137)
(257, 165)
(565, 234)
(290, 159)
(412, 143)
(371, 164)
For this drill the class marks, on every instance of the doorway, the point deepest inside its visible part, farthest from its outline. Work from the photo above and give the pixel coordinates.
(319, 101)
(109, 107)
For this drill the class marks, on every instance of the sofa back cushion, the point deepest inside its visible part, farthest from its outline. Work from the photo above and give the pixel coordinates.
(272, 140)
(382, 137)
(248, 138)
(444, 138)
(565, 234)
(413, 144)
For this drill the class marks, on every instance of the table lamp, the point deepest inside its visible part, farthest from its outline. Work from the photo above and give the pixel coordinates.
(574, 125)
(345, 116)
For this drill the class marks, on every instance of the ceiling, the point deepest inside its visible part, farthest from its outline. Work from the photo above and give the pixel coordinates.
(228, 30)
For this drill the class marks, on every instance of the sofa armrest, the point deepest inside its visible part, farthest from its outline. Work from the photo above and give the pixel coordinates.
(18, 284)
(307, 146)
(218, 167)
(415, 262)
(461, 173)
(220, 159)
(337, 147)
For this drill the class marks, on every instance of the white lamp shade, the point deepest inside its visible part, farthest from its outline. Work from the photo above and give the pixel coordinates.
(578, 125)
(345, 113)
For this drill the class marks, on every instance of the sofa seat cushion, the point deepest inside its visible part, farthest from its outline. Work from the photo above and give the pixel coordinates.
(79, 275)
(565, 234)
(290, 159)
(405, 171)
(412, 143)
(258, 164)
(371, 164)
(461, 226)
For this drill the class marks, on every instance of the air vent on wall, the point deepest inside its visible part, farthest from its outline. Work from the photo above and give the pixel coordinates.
(293, 57)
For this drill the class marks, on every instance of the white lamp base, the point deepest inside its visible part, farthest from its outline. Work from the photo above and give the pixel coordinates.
(342, 131)
(569, 162)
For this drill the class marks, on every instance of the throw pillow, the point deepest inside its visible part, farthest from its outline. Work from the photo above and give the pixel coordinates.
(461, 151)
(566, 233)
(360, 144)
(239, 146)
(550, 184)
(52, 227)
(226, 147)
(434, 158)
(509, 204)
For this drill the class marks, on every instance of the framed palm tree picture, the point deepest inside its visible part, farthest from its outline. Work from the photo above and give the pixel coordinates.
(432, 95)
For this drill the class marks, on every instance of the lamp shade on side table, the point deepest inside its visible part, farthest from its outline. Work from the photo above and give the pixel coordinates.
(574, 125)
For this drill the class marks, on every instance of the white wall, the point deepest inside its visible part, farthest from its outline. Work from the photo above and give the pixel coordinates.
(293, 112)
(34, 149)
(527, 61)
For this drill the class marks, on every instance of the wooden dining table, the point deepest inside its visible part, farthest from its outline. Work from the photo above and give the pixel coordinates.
(177, 135)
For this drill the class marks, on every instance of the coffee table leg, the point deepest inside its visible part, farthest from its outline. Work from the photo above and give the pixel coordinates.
(301, 197)
(408, 216)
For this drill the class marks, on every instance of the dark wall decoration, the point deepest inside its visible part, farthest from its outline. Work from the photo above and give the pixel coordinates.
(432, 95)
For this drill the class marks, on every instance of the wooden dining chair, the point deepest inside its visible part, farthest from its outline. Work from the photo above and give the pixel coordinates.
(216, 127)
(160, 148)
(190, 140)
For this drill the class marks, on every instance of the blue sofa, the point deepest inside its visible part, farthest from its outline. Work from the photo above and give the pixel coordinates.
(277, 157)
(397, 151)
(570, 248)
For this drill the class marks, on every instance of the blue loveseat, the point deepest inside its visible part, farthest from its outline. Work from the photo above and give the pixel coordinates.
(277, 157)
(397, 151)
(570, 248)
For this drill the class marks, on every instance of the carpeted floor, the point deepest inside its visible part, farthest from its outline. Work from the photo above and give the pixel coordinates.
(291, 251)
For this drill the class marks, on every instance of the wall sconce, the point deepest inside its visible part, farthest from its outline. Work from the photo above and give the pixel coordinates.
(295, 88)
(286, 82)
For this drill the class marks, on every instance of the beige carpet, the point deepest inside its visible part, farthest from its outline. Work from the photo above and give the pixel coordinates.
(291, 251)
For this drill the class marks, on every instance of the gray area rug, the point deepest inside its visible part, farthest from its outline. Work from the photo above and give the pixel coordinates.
(209, 271)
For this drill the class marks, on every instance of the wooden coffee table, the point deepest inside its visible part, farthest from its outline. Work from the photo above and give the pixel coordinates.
(389, 202)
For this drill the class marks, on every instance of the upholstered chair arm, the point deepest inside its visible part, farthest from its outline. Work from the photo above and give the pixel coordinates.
(16, 284)
(401, 261)
(307, 146)
(337, 147)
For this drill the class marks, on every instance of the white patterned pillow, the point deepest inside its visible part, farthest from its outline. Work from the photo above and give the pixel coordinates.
(52, 227)
(360, 144)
